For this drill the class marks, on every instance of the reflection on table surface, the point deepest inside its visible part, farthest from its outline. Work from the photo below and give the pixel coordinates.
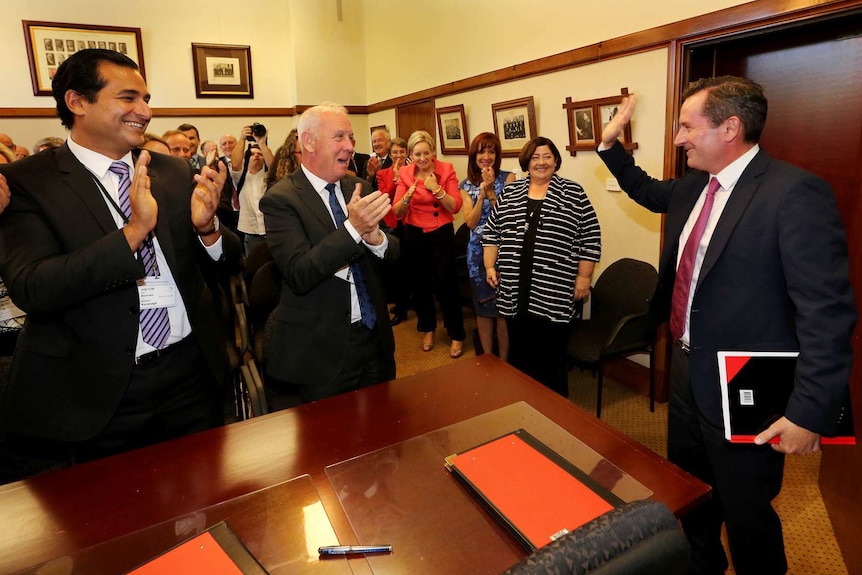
(403, 495)
(282, 526)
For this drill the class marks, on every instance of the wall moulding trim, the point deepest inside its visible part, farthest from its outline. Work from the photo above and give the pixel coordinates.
(187, 112)
(757, 13)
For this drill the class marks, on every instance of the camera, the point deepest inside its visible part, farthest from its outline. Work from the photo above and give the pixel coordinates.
(258, 130)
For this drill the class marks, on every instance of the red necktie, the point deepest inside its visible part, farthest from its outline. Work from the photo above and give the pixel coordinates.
(682, 284)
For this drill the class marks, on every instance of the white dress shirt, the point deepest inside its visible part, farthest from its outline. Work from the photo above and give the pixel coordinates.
(99, 166)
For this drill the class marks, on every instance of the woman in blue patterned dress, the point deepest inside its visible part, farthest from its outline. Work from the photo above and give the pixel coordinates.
(480, 190)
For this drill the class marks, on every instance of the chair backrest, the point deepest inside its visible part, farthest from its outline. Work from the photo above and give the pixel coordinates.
(257, 256)
(625, 288)
(264, 293)
(637, 538)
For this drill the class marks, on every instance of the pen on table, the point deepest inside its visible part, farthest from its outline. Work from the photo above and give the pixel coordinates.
(348, 549)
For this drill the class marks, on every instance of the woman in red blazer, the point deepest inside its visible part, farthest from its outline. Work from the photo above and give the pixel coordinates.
(394, 280)
(387, 180)
(426, 197)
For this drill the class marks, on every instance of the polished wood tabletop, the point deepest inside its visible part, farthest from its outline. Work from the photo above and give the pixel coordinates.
(65, 512)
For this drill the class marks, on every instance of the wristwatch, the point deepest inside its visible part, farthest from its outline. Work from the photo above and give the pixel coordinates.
(212, 230)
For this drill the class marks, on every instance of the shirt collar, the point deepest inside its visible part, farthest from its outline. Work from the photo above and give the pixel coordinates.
(97, 163)
(319, 184)
(732, 172)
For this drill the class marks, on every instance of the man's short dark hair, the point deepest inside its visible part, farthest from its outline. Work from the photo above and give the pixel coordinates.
(732, 96)
(530, 148)
(187, 127)
(80, 72)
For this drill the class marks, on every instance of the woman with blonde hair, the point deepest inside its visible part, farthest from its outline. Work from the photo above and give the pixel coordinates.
(426, 198)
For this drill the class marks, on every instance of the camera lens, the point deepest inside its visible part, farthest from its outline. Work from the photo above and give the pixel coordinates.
(258, 130)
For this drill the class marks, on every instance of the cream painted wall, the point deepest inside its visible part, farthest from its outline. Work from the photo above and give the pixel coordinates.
(447, 40)
(329, 50)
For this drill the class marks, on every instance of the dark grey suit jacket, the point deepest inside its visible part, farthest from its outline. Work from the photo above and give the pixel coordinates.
(775, 277)
(313, 316)
(68, 266)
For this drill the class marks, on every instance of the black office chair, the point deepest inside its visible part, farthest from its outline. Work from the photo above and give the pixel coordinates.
(618, 322)
(264, 295)
(639, 538)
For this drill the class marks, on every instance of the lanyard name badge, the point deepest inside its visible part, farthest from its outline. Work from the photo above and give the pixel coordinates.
(153, 291)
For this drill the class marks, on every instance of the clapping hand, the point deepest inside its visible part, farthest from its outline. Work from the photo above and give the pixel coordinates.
(206, 195)
(488, 184)
(365, 212)
(431, 182)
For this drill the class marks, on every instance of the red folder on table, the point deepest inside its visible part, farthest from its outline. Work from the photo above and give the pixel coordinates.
(755, 389)
(216, 551)
(537, 494)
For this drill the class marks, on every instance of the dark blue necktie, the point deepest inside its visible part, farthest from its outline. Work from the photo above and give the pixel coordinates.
(155, 323)
(366, 308)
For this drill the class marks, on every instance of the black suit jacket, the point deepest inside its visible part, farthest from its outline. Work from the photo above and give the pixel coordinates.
(313, 316)
(68, 266)
(775, 277)
(359, 164)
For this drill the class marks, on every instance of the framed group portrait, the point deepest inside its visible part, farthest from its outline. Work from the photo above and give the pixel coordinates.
(588, 118)
(50, 43)
(222, 71)
(514, 124)
(452, 125)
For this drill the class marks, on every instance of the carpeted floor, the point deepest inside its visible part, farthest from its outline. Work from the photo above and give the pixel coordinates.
(809, 539)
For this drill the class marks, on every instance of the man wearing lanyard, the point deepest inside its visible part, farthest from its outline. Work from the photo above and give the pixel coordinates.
(754, 259)
(109, 251)
(332, 332)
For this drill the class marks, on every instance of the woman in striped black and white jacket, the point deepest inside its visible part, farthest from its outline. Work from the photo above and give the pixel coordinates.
(541, 245)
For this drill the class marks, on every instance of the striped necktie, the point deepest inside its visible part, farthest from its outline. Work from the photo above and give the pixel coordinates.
(155, 323)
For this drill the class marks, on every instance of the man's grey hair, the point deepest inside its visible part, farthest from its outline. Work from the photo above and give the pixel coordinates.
(310, 119)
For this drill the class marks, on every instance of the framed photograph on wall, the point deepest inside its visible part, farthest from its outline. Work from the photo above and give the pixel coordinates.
(380, 127)
(585, 133)
(452, 125)
(587, 120)
(222, 71)
(514, 124)
(50, 43)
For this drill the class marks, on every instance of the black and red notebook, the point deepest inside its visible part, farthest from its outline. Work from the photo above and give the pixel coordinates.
(536, 493)
(755, 389)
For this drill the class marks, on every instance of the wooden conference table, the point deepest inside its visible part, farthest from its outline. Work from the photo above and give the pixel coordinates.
(358, 467)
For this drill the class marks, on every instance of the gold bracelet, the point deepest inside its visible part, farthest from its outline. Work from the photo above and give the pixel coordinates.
(442, 193)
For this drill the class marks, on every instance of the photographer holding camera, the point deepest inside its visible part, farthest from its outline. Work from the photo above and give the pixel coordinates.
(248, 171)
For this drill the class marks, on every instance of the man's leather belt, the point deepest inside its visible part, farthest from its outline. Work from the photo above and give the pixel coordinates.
(152, 356)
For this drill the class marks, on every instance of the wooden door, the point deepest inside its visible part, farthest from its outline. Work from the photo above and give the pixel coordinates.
(412, 117)
(812, 74)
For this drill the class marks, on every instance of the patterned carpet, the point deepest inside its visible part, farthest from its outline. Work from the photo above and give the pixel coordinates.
(809, 539)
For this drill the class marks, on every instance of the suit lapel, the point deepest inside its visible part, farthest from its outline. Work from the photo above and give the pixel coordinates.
(82, 183)
(738, 202)
(312, 199)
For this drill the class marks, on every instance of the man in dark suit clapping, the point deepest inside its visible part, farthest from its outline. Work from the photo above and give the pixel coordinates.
(108, 249)
(332, 332)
